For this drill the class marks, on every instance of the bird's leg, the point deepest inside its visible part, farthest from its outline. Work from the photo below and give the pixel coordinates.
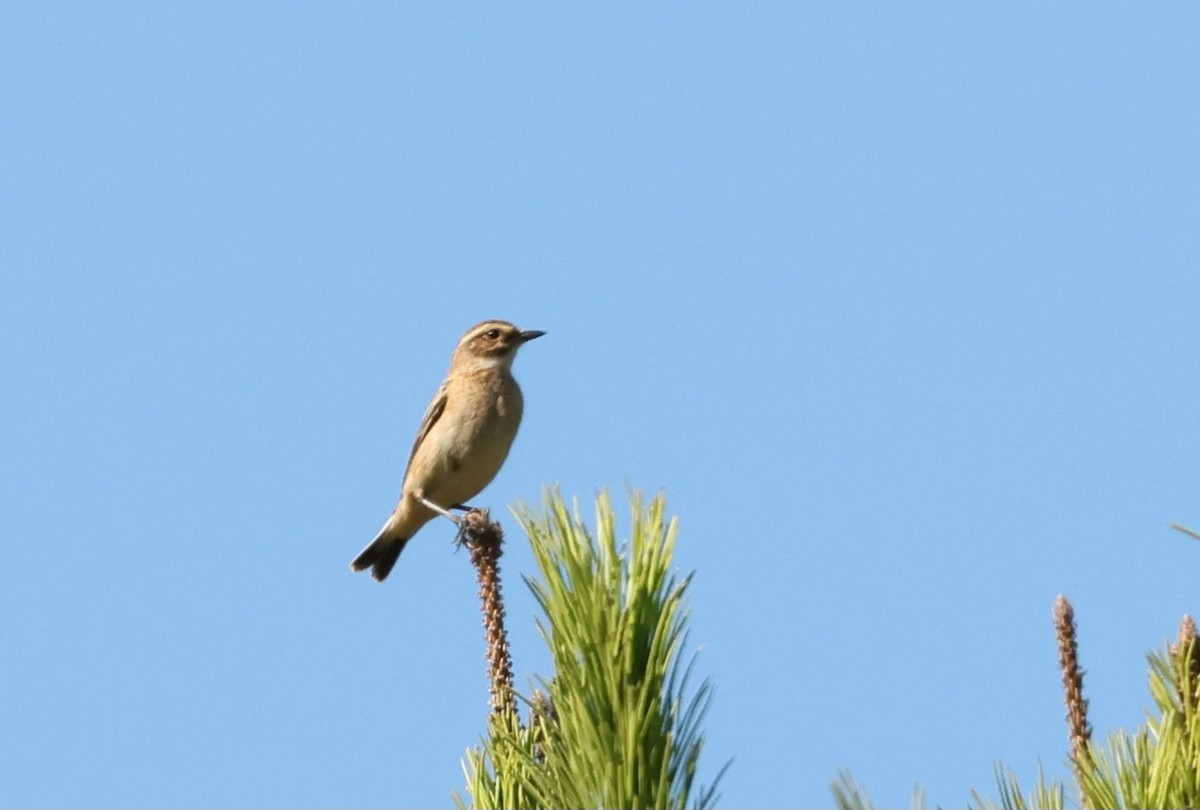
(446, 513)
(465, 507)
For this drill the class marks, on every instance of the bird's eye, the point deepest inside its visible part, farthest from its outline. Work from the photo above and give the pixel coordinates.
(492, 334)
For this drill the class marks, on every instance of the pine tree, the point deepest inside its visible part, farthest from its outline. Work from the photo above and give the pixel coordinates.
(616, 724)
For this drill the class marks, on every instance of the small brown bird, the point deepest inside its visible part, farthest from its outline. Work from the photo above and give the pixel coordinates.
(463, 439)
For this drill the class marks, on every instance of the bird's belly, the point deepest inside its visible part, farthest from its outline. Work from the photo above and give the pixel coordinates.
(469, 466)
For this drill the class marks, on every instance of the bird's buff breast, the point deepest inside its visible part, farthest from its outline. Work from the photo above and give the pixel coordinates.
(470, 451)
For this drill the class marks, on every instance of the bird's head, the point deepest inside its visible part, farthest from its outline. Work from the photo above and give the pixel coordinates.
(491, 343)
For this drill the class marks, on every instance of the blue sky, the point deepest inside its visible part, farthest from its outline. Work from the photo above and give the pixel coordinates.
(897, 304)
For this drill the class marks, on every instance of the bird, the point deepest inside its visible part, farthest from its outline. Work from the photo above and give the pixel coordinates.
(463, 440)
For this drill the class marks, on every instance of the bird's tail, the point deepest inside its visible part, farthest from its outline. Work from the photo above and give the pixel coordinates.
(380, 556)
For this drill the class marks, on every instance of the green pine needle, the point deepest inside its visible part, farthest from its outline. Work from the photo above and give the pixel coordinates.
(617, 725)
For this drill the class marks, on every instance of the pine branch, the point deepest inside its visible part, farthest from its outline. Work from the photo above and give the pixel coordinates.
(1072, 676)
(617, 725)
(485, 540)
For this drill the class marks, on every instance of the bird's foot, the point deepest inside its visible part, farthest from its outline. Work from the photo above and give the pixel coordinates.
(470, 526)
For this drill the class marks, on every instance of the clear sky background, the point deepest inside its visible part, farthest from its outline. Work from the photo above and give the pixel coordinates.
(897, 304)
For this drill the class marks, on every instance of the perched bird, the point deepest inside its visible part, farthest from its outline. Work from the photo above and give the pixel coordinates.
(462, 441)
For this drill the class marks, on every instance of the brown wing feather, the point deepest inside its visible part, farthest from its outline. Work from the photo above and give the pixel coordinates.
(432, 414)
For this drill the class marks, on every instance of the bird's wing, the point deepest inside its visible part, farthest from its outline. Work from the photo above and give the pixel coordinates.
(432, 414)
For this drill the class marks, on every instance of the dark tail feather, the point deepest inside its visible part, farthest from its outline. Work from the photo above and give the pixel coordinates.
(380, 556)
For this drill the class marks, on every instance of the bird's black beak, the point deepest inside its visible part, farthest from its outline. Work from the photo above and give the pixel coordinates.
(530, 334)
